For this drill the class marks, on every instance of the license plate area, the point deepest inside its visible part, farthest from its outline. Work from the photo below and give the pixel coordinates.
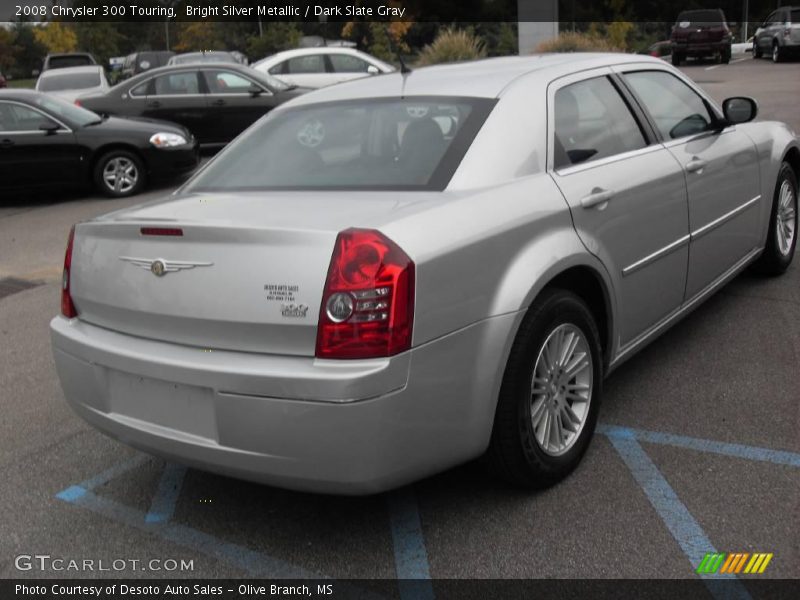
(186, 408)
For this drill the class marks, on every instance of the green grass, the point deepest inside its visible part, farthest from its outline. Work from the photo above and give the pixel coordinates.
(22, 83)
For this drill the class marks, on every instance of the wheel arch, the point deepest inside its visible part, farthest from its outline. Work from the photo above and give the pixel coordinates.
(106, 148)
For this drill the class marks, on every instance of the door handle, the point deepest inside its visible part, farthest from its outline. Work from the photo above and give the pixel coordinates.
(6, 144)
(154, 104)
(599, 198)
(696, 165)
(218, 103)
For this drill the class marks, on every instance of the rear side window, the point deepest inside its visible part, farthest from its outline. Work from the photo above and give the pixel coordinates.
(415, 143)
(678, 111)
(592, 121)
(177, 84)
(344, 63)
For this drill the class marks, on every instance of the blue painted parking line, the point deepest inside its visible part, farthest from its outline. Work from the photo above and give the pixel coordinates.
(74, 492)
(169, 489)
(778, 457)
(677, 518)
(410, 555)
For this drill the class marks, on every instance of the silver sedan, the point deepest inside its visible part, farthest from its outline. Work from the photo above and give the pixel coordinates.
(386, 278)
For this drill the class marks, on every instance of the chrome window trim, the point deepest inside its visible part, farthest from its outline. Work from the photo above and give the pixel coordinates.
(668, 249)
(708, 227)
(66, 128)
(585, 166)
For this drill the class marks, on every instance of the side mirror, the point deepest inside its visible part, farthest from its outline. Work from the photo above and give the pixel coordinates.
(373, 70)
(49, 127)
(739, 109)
(255, 91)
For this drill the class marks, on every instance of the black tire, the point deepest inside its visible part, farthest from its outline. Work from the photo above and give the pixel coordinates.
(131, 174)
(726, 56)
(676, 59)
(777, 53)
(515, 454)
(756, 49)
(773, 261)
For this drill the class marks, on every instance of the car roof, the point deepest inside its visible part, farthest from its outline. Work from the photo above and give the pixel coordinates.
(71, 70)
(486, 78)
(284, 54)
(188, 66)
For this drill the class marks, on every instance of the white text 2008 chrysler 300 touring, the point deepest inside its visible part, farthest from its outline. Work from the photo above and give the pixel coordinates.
(386, 278)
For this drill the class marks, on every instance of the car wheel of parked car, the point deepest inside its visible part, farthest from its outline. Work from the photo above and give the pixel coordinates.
(756, 50)
(777, 55)
(782, 236)
(726, 56)
(119, 173)
(550, 394)
(676, 59)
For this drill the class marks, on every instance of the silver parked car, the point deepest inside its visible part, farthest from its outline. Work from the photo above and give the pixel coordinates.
(70, 83)
(386, 278)
(779, 35)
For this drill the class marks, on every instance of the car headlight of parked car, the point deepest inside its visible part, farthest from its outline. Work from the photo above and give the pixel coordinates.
(167, 140)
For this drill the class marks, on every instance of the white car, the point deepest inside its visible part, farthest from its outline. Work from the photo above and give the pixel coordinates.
(318, 67)
(71, 82)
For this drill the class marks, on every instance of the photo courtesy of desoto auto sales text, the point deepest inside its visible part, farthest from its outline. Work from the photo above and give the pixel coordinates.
(399, 299)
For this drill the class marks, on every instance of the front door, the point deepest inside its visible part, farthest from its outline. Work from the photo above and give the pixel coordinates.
(237, 102)
(721, 169)
(180, 97)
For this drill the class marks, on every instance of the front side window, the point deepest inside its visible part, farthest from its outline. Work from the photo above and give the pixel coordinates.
(365, 144)
(344, 63)
(177, 84)
(678, 111)
(313, 63)
(592, 121)
(226, 82)
(16, 118)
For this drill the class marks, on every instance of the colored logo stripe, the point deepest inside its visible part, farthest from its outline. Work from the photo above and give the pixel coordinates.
(721, 562)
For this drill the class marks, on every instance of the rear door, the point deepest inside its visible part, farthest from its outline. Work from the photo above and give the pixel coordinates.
(29, 156)
(180, 97)
(721, 170)
(236, 102)
(627, 195)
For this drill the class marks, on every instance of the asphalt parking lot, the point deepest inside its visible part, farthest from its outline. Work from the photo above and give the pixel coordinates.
(698, 451)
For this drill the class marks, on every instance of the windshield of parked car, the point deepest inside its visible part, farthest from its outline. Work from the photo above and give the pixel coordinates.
(74, 115)
(70, 81)
(700, 17)
(366, 144)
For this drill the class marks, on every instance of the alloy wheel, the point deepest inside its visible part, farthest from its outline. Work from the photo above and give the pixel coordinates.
(561, 389)
(786, 221)
(120, 175)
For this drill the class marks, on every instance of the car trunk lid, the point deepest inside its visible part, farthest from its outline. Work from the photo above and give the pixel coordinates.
(246, 272)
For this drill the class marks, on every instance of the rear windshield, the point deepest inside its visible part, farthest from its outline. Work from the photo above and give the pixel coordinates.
(700, 17)
(61, 62)
(75, 81)
(415, 143)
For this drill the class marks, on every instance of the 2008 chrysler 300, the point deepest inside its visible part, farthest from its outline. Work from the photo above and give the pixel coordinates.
(386, 278)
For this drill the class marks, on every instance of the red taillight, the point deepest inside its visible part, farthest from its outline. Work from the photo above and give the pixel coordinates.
(367, 307)
(78, 103)
(67, 306)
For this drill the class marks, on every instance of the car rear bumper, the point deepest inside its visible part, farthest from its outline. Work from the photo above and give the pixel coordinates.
(266, 418)
(699, 48)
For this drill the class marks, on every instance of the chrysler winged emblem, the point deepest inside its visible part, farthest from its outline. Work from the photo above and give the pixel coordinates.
(160, 266)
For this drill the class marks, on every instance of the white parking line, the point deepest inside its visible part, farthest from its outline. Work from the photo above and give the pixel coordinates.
(733, 61)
